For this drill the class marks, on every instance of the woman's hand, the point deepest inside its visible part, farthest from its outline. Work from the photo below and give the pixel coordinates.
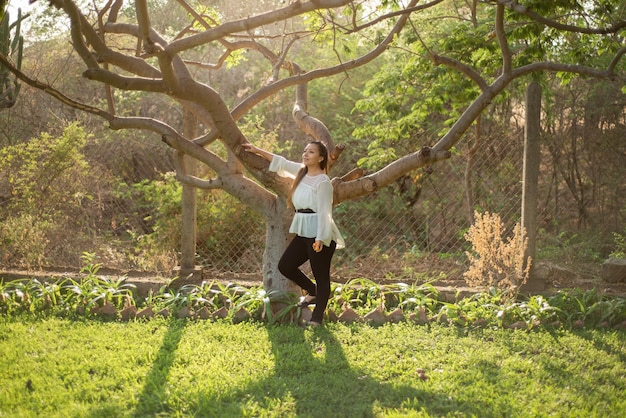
(317, 246)
(248, 147)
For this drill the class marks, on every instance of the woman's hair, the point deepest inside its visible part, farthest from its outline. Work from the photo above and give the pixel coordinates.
(321, 147)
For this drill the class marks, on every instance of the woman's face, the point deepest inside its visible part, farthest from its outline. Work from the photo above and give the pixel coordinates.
(311, 156)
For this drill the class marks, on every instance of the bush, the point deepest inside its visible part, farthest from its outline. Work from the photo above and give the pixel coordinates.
(23, 238)
(496, 260)
(43, 186)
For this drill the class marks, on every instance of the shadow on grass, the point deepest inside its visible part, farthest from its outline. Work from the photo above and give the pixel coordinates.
(153, 395)
(317, 381)
(320, 382)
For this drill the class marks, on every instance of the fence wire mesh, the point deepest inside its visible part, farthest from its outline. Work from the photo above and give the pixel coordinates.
(125, 207)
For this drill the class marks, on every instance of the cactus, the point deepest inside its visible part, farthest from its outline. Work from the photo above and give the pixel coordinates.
(10, 48)
(3, 6)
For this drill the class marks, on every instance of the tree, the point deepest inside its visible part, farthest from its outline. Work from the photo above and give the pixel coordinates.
(124, 51)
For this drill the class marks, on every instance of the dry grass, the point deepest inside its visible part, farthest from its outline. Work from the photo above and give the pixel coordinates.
(496, 260)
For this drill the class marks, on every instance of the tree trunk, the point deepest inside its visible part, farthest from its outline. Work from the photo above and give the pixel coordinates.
(532, 153)
(469, 167)
(277, 238)
(189, 205)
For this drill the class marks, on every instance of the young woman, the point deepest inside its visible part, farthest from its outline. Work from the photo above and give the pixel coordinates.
(317, 235)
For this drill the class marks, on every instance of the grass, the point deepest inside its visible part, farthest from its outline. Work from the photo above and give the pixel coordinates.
(56, 367)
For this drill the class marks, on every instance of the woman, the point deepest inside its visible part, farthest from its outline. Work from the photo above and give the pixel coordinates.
(317, 236)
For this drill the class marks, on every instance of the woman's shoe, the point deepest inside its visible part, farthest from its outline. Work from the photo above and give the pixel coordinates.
(312, 324)
(306, 301)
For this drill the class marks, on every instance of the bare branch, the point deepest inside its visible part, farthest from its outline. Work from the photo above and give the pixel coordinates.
(373, 182)
(172, 138)
(567, 68)
(135, 65)
(618, 55)
(76, 31)
(184, 177)
(143, 20)
(126, 83)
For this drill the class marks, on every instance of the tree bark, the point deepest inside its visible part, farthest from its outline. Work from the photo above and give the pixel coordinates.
(277, 238)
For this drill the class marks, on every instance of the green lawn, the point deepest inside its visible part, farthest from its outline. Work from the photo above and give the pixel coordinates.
(179, 368)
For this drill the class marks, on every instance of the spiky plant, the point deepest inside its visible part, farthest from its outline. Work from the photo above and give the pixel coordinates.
(10, 49)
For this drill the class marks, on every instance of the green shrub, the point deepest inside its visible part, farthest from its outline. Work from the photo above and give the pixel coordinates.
(153, 223)
(44, 182)
(619, 245)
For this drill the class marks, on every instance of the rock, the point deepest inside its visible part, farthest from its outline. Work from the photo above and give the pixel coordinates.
(349, 316)
(331, 316)
(129, 312)
(396, 316)
(165, 313)
(614, 270)
(220, 313)
(184, 312)
(375, 317)
(108, 309)
(517, 325)
(203, 313)
(305, 316)
(420, 318)
(554, 274)
(240, 316)
(145, 313)
(480, 322)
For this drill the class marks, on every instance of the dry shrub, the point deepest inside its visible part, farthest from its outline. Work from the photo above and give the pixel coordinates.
(23, 241)
(496, 260)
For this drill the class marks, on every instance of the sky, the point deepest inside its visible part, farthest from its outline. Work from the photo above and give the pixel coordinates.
(19, 4)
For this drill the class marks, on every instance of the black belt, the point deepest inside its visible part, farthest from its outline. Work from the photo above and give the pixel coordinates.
(305, 211)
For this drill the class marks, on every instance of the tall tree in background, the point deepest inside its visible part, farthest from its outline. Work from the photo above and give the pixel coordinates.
(125, 51)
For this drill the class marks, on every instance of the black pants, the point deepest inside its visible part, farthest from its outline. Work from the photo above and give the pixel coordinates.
(300, 250)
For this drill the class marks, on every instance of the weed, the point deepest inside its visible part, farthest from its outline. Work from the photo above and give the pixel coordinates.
(496, 260)
(619, 241)
(495, 307)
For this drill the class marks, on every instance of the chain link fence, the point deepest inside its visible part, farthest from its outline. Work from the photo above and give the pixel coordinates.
(125, 208)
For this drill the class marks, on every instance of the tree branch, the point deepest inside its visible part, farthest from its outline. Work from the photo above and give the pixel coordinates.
(525, 11)
(79, 45)
(54, 92)
(373, 182)
(126, 83)
(143, 20)
(245, 25)
(271, 89)
(502, 41)
(183, 177)
(407, 10)
(460, 67)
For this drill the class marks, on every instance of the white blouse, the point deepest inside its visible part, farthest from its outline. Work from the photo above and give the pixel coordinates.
(313, 192)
